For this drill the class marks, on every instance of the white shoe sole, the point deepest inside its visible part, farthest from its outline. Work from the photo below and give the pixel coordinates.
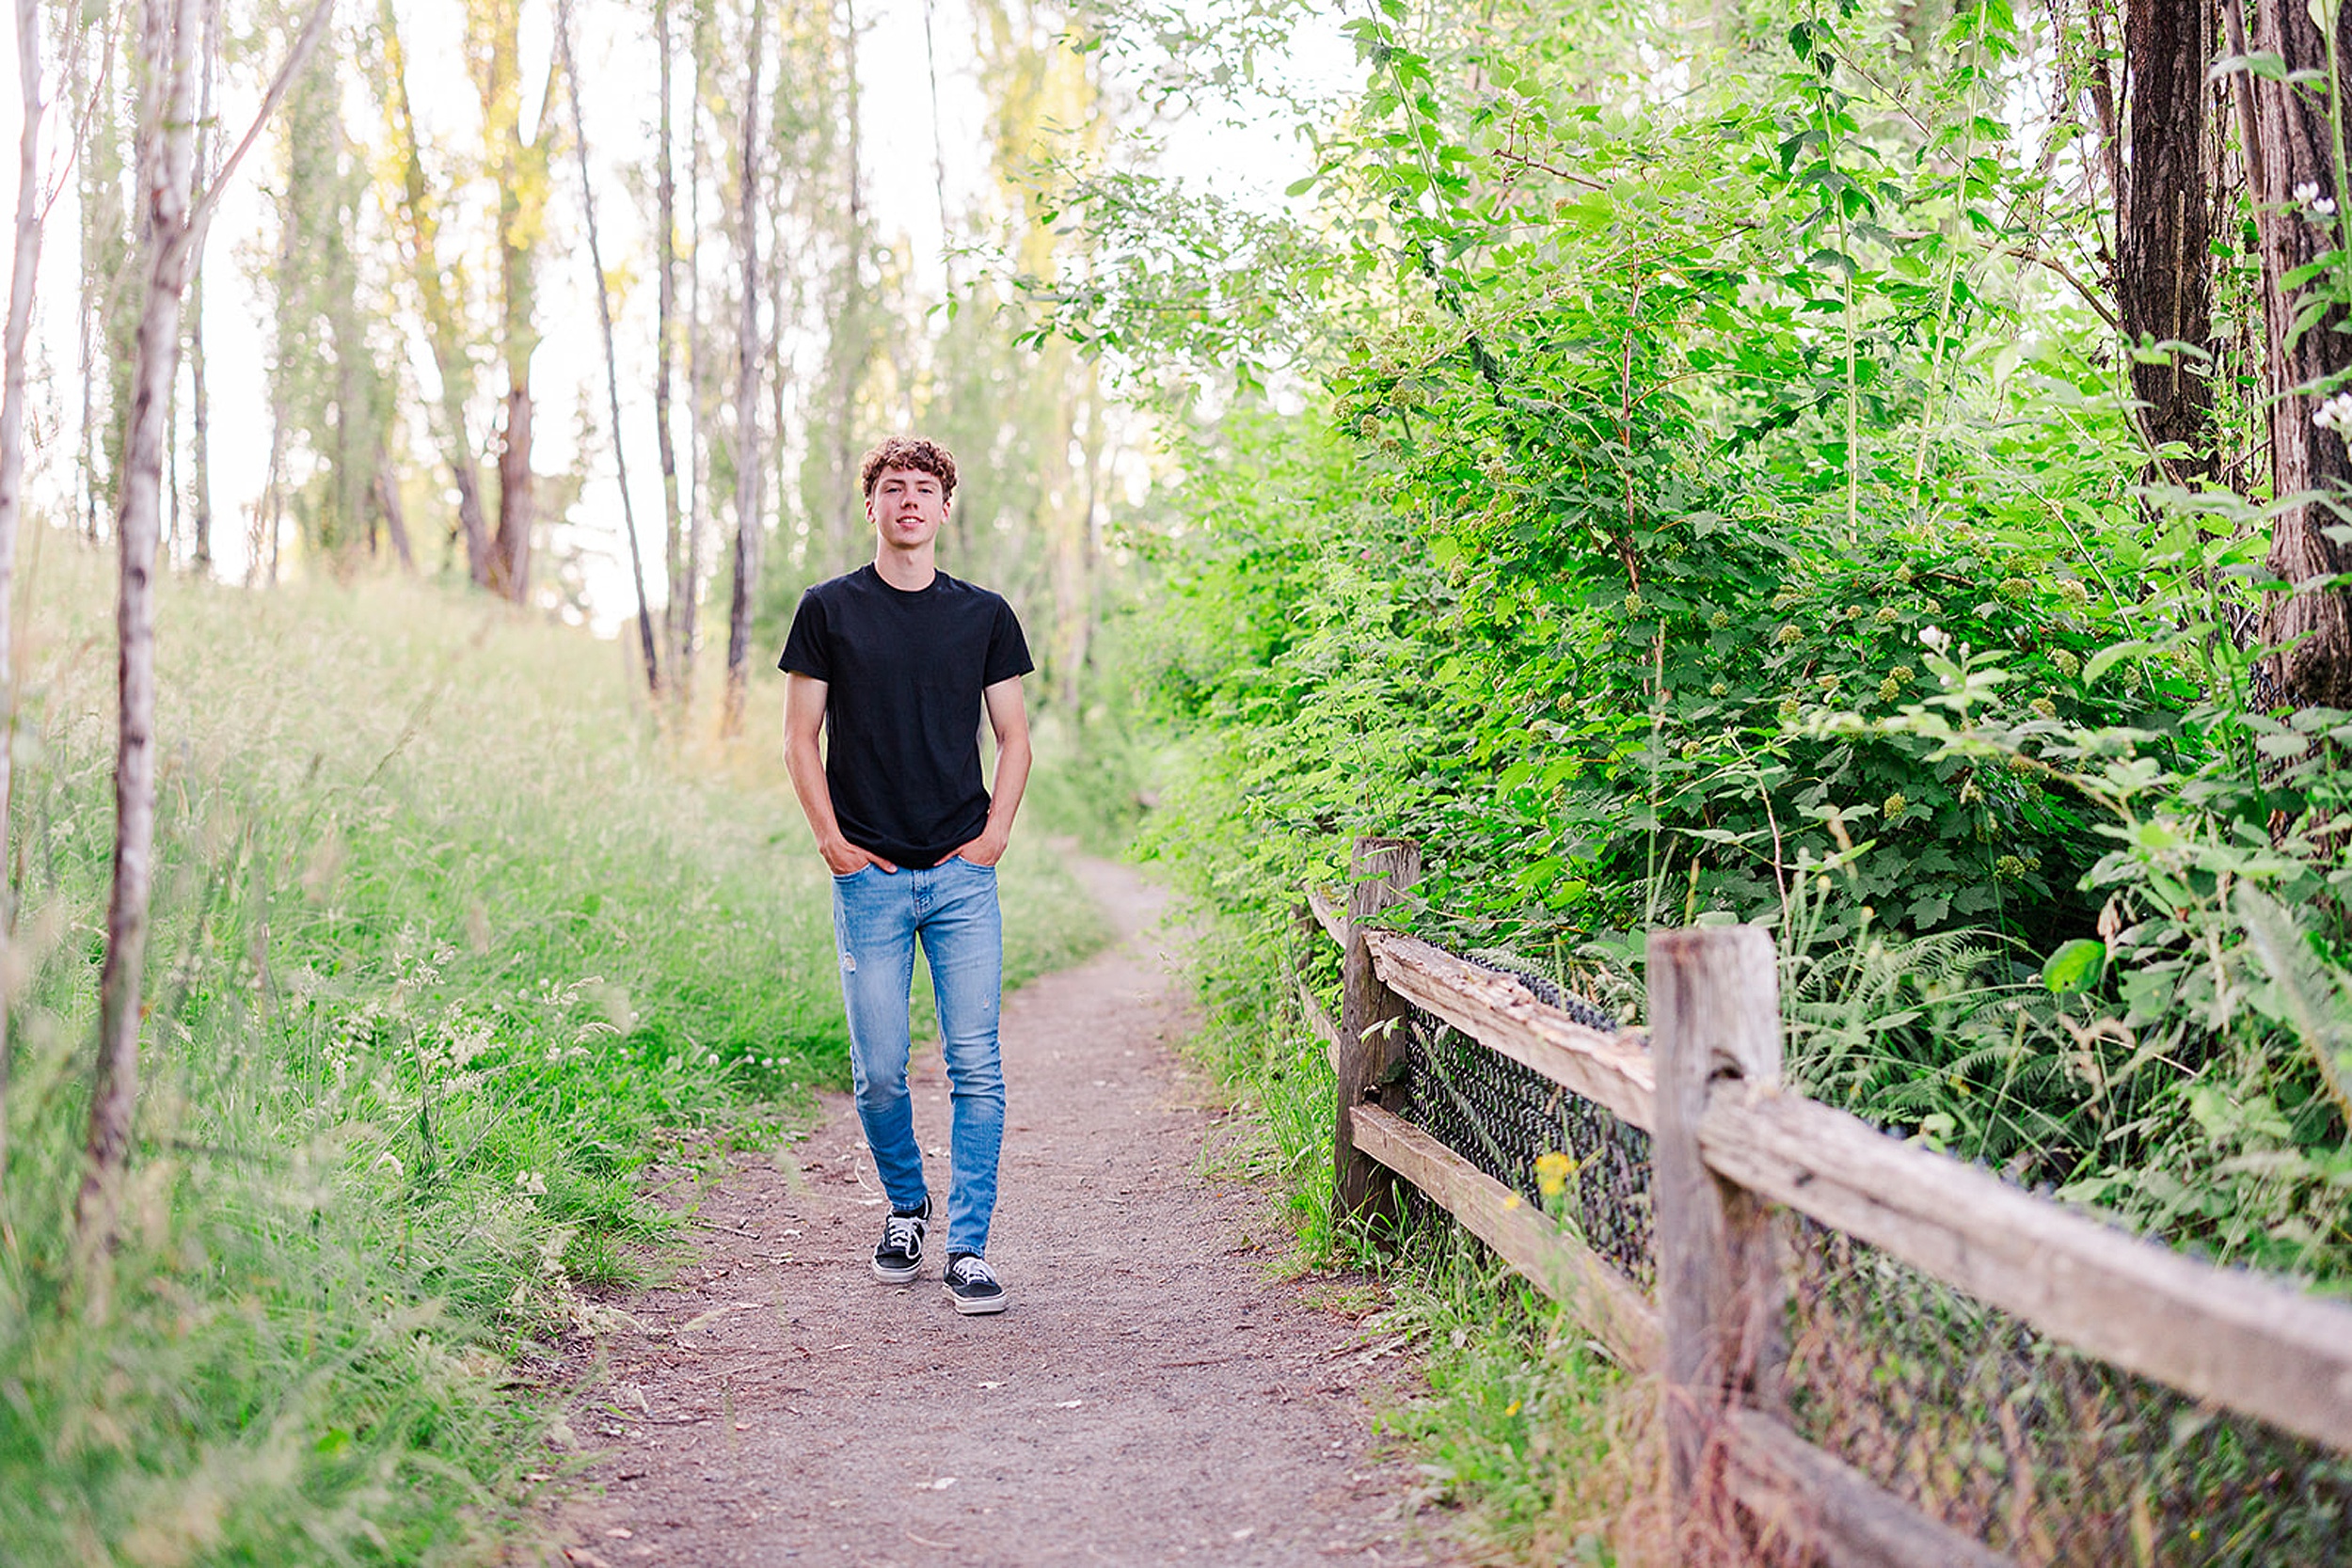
(898, 1277)
(983, 1307)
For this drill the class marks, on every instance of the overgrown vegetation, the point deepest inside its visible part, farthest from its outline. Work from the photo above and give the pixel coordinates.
(449, 945)
(1689, 468)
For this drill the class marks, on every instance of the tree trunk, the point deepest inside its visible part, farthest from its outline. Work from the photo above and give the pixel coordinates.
(172, 235)
(2297, 149)
(746, 398)
(22, 275)
(850, 331)
(2164, 265)
(510, 570)
(612, 357)
(166, 168)
(699, 395)
(665, 348)
(395, 516)
(421, 224)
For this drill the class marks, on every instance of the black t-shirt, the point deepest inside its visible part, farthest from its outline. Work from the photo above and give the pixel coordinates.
(904, 673)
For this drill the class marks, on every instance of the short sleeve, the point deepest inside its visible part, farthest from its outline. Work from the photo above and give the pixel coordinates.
(1008, 650)
(809, 647)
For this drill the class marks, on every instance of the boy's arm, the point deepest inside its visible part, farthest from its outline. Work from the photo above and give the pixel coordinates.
(804, 716)
(1009, 717)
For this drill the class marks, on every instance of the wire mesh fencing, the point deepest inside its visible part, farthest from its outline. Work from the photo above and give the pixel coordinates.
(2052, 1457)
(1502, 1116)
(1961, 1410)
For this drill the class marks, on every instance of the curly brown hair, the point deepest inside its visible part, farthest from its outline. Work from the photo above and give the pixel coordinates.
(911, 452)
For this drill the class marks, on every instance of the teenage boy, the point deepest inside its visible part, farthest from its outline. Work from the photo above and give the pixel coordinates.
(895, 662)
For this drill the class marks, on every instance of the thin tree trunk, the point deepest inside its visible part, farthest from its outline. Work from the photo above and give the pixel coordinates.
(665, 347)
(423, 233)
(395, 516)
(172, 235)
(2299, 148)
(206, 162)
(22, 275)
(697, 372)
(166, 166)
(611, 358)
(747, 471)
(849, 354)
(2164, 265)
(939, 158)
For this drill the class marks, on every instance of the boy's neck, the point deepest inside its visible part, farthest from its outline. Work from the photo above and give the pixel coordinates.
(909, 571)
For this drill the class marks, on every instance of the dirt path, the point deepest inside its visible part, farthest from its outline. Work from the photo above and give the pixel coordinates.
(1152, 1396)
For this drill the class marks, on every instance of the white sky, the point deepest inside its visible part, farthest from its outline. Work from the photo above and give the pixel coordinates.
(620, 103)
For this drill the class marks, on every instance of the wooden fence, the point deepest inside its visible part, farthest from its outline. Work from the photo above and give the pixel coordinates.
(1729, 1143)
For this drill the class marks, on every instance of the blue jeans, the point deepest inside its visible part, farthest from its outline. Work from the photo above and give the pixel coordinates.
(877, 916)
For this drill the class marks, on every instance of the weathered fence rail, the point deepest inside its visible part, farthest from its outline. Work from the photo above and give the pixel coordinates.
(1729, 1149)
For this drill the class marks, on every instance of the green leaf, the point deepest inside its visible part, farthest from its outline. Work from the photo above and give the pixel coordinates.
(2077, 966)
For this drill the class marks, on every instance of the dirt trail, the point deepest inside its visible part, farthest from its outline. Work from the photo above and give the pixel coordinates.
(1150, 1397)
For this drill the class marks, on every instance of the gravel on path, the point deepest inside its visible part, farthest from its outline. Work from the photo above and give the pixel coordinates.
(1155, 1394)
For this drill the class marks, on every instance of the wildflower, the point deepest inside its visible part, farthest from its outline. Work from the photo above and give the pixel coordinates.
(1633, 603)
(1718, 689)
(2044, 707)
(2324, 207)
(1497, 471)
(1788, 634)
(2009, 868)
(2306, 192)
(1694, 749)
(1895, 806)
(1933, 606)
(1887, 615)
(2073, 591)
(2335, 413)
(1936, 638)
(1901, 673)
(1889, 690)
(2016, 588)
(2068, 664)
(1789, 708)
(1785, 597)
(1369, 426)
(1553, 1170)
(1720, 620)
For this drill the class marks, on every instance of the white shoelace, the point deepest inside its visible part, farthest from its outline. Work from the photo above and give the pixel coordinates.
(971, 1271)
(903, 1233)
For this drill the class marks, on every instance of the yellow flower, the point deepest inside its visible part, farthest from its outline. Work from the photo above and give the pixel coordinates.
(1721, 619)
(1717, 689)
(1511, 1201)
(1788, 634)
(1901, 673)
(2045, 707)
(1889, 690)
(1888, 616)
(1553, 1170)
(1895, 805)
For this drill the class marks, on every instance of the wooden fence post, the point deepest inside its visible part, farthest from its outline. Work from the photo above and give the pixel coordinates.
(1380, 869)
(1714, 1016)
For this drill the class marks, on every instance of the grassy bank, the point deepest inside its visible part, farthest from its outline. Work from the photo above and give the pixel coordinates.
(448, 944)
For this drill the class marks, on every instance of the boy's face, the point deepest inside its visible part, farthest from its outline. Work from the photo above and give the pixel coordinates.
(907, 508)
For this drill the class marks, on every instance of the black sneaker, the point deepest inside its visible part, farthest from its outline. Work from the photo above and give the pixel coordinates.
(898, 1256)
(972, 1285)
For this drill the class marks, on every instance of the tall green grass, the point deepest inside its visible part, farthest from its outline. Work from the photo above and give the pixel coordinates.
(448, 941)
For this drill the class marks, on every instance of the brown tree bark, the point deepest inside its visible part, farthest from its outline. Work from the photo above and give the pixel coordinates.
(747, 466)
(2164, 265)
(2297, 149)
(171, 237)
